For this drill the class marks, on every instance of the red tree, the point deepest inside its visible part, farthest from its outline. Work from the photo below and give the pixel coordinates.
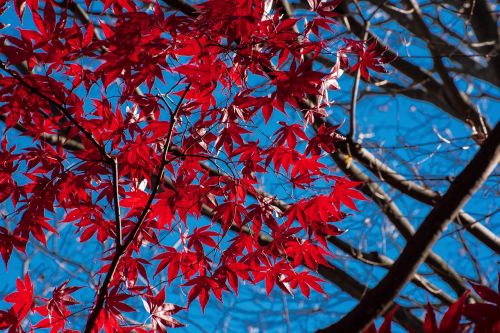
(141, 129)
(147, 119)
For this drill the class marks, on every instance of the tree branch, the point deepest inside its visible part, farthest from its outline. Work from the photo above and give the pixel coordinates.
(463, 111)
(116, 195)
(61, 109)
(391, 210)
(377, 300)
(417, 192)
(457, 99)
(354, 96)
(485, 27)
(376, 259)
(120, 250)
(453, 52)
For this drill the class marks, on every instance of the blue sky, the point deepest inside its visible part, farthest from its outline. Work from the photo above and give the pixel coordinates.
(384, 121)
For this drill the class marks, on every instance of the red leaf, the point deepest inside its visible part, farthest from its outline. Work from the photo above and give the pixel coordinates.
(386, 325)
(161, 312)
(22, 298)
(430, 324)
(451, 319)
(486, 293)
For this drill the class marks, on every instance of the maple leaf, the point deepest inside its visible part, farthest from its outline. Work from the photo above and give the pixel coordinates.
(230, 134)
(305, 251)
(201, 287)
(343, 193)
(202, 236)
(451, 318)
(485, 315)
(9, 320)
(7, 243)
(106, 320)
(61, 298)
(56, 319)
(91, 220)
(23, 298)
(282, 157)
(232, 271)
(229, 213)
(305, 282)
(371, 56)
(274, 274)
(325, 139)
(261, 214)
(188, 262)
(289, 134)
(385, 327)
(129, 270)
(161, 312)
(294, 84)
(115, 303)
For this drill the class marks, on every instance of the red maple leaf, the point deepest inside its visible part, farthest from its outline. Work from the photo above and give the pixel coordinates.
(201, 288)
(161, 312)
(450, 323)
(305, 281)
(386, 324)
(22, 298)
(485, 315)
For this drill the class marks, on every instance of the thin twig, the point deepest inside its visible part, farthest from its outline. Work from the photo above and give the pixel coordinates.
(378, 299)
(354, 97)
(116, 195)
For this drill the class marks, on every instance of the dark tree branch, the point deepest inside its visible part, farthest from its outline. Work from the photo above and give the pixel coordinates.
(461, 108)
(378, 300)
(376, 259)
(456, 99)
(422, 194)
(183, 7)
(120, 250)
(485, 26)
(50, 138)
(441, 45)
(391, 210)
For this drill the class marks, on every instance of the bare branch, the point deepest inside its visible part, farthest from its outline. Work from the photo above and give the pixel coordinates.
(391, 210)
(463, 111)
(376, 259)
(377, 300)
(354, 96)
(422, 194)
